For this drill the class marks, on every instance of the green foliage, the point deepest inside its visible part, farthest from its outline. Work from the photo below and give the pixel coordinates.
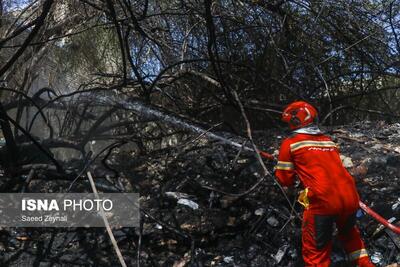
(190, 55)
(92, 51)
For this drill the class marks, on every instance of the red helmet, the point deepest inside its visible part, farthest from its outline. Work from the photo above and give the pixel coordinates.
(299, 114)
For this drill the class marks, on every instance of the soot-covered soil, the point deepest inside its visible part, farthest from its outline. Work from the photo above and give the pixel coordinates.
(200, 207)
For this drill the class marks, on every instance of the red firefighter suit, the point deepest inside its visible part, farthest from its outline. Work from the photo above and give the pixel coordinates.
(330, 197)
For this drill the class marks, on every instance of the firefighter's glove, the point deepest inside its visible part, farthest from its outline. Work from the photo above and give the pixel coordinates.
(303, 198)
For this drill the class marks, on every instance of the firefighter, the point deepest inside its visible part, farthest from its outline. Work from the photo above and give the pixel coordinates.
(329, 197)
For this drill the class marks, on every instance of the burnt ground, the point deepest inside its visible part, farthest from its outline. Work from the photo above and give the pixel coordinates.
(229, 226)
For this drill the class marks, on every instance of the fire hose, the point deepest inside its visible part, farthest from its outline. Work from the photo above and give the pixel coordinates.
(363, 206)
(151, 112)
(379, 218)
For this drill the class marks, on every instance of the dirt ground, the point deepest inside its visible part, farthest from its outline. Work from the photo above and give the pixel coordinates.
(197, 209)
